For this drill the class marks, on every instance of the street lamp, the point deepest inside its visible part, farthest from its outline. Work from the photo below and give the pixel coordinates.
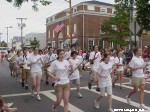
(7, 34)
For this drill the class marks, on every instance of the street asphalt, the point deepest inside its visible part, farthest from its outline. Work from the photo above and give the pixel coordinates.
(12, 91)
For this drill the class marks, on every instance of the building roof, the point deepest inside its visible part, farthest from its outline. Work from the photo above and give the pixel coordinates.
(98, 3)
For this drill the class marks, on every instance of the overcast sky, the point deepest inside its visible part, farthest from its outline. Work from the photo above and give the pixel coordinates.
(35, 20)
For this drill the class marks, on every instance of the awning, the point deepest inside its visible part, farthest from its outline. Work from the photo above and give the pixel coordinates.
(67, 41)
(74, 40)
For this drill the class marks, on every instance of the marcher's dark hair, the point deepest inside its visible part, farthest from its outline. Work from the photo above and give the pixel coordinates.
(104, 56)
(136, 49)
(73, 52)
(94, 46)
(58, 52)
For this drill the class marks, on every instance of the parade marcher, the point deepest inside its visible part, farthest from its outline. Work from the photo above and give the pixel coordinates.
(11, 63)
(17, 64)
(25, 68)
(137, 66)
(59, 71)
(75, 76)
(42, 56)
(95, 59)
(35, 62)
(48, 59)
(68, 53)
(2, 57)
(104, 81)
(120, 69)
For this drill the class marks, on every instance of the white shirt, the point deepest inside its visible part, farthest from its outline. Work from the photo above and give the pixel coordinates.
(37, 66)
(24, 59)
(104, 70)
(60, 69)
(96, 61)
(137, 62)
(67, 55)
(84, 55)
(112, 60)
(119, 61)
(80, 58)
(17, 60)
(49, 57)
(75, 63)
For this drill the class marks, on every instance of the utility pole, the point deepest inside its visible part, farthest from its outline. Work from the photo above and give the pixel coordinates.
(7, 34)
(131, 19)
(70, 21)
(21, 25)
(0, 39)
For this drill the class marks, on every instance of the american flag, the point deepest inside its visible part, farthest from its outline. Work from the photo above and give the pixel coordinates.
(59, 27)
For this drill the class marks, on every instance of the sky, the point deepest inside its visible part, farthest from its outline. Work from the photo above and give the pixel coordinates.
(35, 21)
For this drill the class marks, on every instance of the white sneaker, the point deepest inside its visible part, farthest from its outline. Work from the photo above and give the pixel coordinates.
(32, 92)
(53, 110)
(38, 98)
(128, 100)
(96, 104)
(142, 106)
(12, 109)
(79, 95)
(110, 110)
(9, 104)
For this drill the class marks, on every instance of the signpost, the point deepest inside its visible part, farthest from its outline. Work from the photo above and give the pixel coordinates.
(134, 27)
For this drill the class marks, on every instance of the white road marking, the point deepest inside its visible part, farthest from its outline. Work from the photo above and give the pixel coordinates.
(72, 108)
(129, 87)
(123, 100)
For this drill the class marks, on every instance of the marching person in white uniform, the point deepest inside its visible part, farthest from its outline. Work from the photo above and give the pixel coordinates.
(104, 81)
(95, 59)
(137, 66)
(75, 76)
(35, 62)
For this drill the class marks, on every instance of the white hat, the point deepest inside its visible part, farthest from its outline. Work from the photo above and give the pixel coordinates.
(145, 46)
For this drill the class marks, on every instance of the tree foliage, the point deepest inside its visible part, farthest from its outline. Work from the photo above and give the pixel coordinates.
(35, 43)
(143, 14)
(18, 3)
(117, 28)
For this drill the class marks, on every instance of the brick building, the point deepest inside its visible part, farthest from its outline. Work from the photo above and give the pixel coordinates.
(86, 20)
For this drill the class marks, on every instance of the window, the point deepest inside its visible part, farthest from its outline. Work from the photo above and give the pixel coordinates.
(101, 44)
(53, 44)
(113, 45)
(91, 7)
(90, 44)
(53, 33)
(68, 30)
(103, 10)
(75, 28)
(49, 34)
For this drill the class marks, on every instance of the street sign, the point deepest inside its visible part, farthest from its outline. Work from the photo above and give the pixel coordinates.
(134, 27)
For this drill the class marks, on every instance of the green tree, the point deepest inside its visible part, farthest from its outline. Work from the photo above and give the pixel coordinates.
(143, 16)
(117, 28)
(18, 3)
(35, 43)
